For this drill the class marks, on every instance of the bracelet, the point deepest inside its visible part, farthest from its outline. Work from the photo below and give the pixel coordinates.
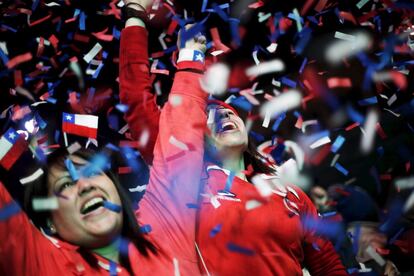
(128, 12)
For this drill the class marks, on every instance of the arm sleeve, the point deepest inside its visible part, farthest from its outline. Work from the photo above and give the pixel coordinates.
(135, 88)
(169, 203)
(20, 240)
(320, 255)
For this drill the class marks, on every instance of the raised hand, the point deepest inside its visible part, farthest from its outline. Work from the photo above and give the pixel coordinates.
(198, 42)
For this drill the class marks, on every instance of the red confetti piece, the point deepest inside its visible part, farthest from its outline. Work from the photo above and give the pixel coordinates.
(217, 41)
(321, 4)
(256, 5)
(41, 47)
(299, 122)
(385, 177)
(399, 79)
(348, 16)
(54, 41)
(129, 144)
(81, 38)
(175, 156)
(354, 125)
(19, 59)
(40, 20)
(124, 170)
(171, 28)
(102, 36)
(321, 155)
(380, 131)
(18, 80)
(339, 82)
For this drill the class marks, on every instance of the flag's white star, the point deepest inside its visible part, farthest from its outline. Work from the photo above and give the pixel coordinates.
(68, 117)
(12, 136)
(199, 57)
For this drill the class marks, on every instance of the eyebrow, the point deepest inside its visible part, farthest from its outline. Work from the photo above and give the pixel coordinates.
(66, 174)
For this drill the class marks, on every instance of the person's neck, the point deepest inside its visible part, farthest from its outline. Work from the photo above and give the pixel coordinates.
(110, 252)
(234, 163)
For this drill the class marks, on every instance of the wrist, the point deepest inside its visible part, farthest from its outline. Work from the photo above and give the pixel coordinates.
(134, 14)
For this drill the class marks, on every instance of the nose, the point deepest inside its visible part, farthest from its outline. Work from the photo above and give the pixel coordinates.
(84, 186)
(223, 115)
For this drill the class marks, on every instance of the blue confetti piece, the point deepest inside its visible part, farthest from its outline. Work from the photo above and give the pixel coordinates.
(288, 82)
(145, 229)
(112, 268)
(354, 115)
(112, 206)
(130, 157)
(229, 181)
(304, 62)
(116, 33)
(91, 93)
(305, 36)
(242, 103)
(82, 20)
(316, 136)
(3, 57)
(352, 270)
(340, 168)
(97, 71)
(339, 141)
(8, 28)
(97, 164)
(42, 123)
(51, 100)
(328, 214)
(204, 5)
(71, 169)
(315, 246)
(239, 249)
(257, 136)
(234, 30)
(277, 153)
(355, 236)
(35, 4)
(277, 122)
(368, 101)
(328, 228)
(192, 205)
(215, 230)
(9, 210)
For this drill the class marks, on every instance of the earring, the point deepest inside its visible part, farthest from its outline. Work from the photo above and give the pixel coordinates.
(51, 226)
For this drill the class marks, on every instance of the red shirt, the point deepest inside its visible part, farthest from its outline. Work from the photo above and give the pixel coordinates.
(24, 250)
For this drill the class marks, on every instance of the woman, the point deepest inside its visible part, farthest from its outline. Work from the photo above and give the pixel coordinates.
(232, 237)
(94, 217)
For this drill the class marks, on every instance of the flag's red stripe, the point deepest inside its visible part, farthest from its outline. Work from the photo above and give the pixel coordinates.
(79, 130)
(14, 153)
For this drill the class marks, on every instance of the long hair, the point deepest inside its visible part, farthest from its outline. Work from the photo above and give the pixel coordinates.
(40, 188)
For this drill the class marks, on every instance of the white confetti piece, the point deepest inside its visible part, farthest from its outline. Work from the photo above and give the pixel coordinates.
(176, 267)
(266, 68)
(272, 47)
(349, 45)
(361, 3)
(144, 138)
(178, 143)
(254, 55)
(282, 103)
(367, 141)
(123, 129)
(217, 52)
(409, 203)
(375, 256)
(297, 152)
(175, 100)
(320, 142)
(215, 79)
(252, 204)
(45, 204)
(266, 120)
(334, 159)
(405, 183)
(92, 53)
(263, 186)
(138, 189)
(52, 4)
(74, 147)
(39, 172)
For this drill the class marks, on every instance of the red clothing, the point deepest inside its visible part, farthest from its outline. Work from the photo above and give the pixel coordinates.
(24, 250)
(271, 239)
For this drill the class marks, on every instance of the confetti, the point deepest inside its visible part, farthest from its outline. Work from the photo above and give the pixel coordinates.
(282, 103)
(39, 172)
(9, 210)
(112, 206)
(265, 68)
(45, 204)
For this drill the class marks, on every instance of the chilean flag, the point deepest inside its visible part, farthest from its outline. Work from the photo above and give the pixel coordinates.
(12, 145)
(82, 125)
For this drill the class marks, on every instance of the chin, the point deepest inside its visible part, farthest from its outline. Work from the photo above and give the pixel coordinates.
(109, 226)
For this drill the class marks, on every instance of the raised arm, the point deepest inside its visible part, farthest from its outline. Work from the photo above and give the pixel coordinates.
(135, 85)
(169, 204)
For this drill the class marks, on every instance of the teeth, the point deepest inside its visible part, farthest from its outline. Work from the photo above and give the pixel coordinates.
(92, 202)
(233, 125)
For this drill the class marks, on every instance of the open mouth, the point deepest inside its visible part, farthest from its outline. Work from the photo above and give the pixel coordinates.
(227, 126)
(92, 204)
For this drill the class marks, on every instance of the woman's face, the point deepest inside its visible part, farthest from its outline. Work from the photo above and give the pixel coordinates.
(81, 218)
(227, 130)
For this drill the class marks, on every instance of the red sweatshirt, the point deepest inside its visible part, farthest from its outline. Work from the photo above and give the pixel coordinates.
(267, 240)
(24, 250)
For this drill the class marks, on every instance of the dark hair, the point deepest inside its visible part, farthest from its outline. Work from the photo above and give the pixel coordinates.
(40, 188)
